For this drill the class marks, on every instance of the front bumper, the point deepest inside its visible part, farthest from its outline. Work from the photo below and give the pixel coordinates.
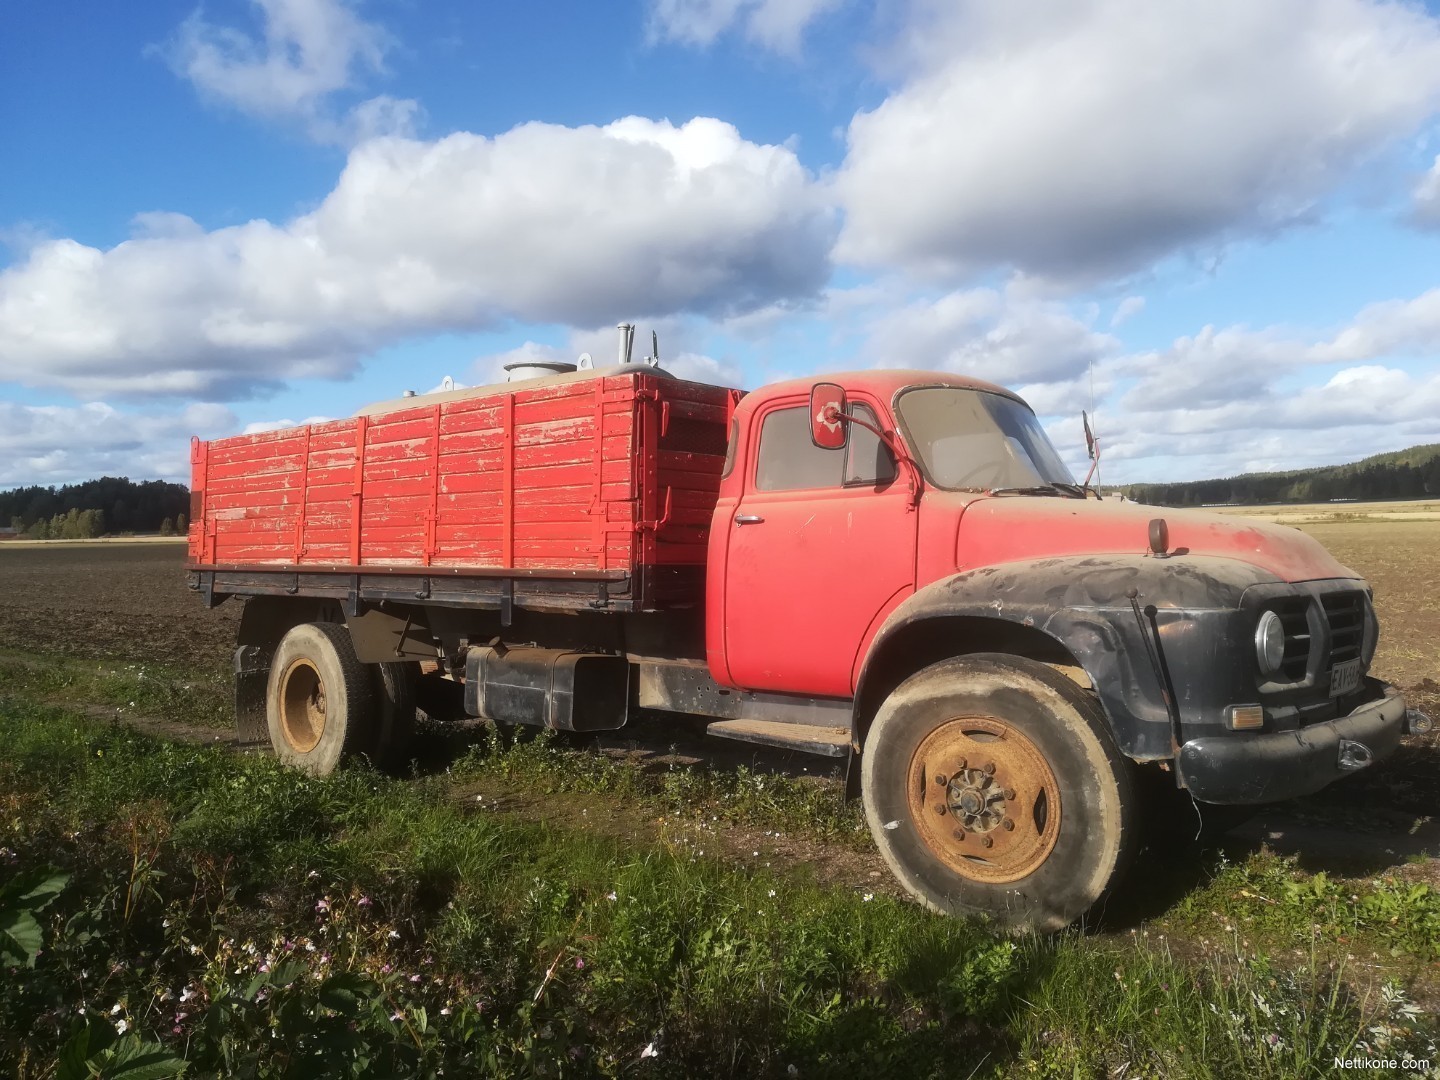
(1245, 769)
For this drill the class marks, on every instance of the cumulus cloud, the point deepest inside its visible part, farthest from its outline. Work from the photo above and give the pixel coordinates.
(1235, 399)
(1216, 367)
(774, 24)
(602, 345)
(52, 444)
(259, 427)
(1127, 309)
(1000, 336)
(1427, 198)
(1078, 139)
(306, 52)
(542, 223)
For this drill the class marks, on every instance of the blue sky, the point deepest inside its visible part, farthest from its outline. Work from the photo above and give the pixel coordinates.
(1216, 224)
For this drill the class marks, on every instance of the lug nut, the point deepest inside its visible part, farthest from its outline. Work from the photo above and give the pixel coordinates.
(941, 779)
(985, 840)
(1008, 824)
(1010, 793)
(940, 809)
(959, 834)
(989, 769)
(960, 764)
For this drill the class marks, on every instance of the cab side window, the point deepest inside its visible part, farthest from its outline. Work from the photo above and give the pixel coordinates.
(789, 461)
(867, 459)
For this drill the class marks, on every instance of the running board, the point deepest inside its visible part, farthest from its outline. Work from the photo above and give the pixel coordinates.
(806, 738)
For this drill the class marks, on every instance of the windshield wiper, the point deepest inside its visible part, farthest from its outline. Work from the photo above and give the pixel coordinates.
(1069, 491)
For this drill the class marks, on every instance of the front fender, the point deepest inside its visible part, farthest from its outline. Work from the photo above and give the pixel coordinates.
(1077, 610)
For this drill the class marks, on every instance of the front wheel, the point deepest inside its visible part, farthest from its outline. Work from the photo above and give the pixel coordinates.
(992, 786)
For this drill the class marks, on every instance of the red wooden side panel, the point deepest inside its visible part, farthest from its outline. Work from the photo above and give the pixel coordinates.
(576, 475)
(692, 432)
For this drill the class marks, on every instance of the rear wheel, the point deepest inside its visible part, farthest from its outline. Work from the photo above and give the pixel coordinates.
(395, 692)
(320, 700)
(993, 787)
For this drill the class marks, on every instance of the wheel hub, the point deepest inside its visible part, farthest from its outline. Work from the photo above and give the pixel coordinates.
(976, 801)
(984, 799)
(302, 706)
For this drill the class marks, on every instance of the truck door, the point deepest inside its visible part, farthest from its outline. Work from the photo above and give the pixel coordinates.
(820, 542)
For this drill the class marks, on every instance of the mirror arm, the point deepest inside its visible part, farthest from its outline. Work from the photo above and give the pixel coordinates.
(893, 444)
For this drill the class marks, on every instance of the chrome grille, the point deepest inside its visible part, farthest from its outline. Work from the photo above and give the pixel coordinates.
(1345, 614)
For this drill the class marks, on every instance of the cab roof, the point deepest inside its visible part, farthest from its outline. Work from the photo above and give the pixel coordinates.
(883, 383)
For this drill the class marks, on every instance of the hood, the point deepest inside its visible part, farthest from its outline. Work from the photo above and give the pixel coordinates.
(1001, 529)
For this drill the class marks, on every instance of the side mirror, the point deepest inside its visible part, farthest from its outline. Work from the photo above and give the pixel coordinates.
(827, 416)
(1089, 435)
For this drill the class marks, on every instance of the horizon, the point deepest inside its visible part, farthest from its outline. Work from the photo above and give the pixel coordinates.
(1214, 225)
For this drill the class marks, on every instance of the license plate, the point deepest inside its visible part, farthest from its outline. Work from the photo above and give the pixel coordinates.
(1344, 677)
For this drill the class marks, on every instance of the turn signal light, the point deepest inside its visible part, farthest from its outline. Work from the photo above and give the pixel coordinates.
(1246, 717)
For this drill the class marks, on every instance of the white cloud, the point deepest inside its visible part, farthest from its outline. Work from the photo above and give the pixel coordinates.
(1215, 367)
(1231, 400)
(775, 24)
(52, 444)
(1000, 336)
(603, 347)
(579, 226)
(1427, 197)
(259, 427)
(1127, 309)
(1078, 139)
(306, 52)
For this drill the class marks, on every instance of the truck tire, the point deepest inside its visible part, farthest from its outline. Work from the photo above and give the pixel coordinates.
(395, 713)
(993, 787)
(320, 704)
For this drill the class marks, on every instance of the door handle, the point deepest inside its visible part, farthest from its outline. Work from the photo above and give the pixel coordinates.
(748, 519)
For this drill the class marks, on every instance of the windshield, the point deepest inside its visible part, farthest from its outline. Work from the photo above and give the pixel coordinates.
(978, 440)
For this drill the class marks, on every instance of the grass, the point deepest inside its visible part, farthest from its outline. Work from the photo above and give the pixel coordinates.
(129, 689)
(200, 910)
(550, 764)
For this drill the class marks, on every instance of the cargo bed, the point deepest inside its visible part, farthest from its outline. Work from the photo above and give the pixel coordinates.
(589, 490)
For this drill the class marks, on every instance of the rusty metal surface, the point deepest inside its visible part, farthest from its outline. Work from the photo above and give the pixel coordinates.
(302, 705)
(984, 799)
(808, 739)
(687, 687)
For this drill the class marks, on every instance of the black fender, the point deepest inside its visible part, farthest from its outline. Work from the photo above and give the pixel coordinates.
(1076, 612)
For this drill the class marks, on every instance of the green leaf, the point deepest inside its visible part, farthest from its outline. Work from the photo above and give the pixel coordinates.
(287, 972)
(35, 889)
(20, 935)
(346, 992)
(152, 1062)
(74, 1054)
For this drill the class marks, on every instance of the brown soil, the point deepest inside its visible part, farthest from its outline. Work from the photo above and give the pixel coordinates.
(111, 601)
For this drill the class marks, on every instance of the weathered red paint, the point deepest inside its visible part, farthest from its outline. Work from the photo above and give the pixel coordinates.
(535, 477)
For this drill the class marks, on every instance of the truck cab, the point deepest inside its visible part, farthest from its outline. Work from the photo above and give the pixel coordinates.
(912, 543)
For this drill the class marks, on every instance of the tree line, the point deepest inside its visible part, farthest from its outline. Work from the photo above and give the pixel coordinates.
(108, 506)
(1404, 474)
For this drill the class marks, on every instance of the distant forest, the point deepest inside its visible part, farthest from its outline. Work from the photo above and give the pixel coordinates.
(110, 505)
(1402, 474)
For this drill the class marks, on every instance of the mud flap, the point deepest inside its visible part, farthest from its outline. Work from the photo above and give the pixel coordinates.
(252, 674)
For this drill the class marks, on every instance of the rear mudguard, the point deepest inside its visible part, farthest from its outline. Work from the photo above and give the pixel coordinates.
(1079, 611)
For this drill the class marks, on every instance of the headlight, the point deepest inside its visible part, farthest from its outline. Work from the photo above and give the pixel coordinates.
(1270, 642)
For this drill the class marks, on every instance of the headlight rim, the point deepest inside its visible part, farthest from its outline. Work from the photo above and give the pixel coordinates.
(1270, 643)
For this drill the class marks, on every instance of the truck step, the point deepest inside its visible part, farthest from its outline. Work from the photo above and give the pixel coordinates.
(808, 739)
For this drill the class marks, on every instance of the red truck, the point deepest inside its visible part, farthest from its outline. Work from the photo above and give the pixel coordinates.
(890, 567)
